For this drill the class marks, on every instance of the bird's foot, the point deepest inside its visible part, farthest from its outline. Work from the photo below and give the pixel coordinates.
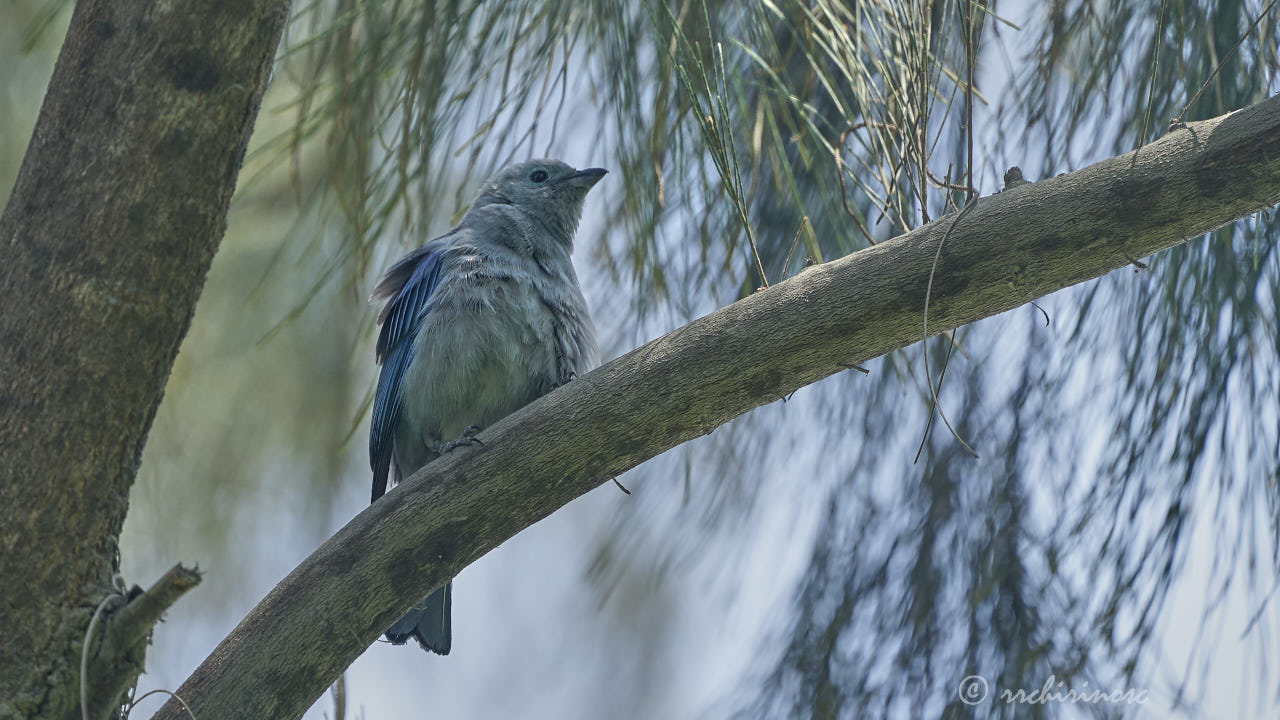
(565, 380)
(468, 437)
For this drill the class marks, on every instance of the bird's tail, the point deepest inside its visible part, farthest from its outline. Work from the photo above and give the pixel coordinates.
(428, 622)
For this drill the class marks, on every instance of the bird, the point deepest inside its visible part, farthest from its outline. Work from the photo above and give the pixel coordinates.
(476, 324)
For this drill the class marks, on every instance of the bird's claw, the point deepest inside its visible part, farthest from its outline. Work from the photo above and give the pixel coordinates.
(468, 437)
(565, 380)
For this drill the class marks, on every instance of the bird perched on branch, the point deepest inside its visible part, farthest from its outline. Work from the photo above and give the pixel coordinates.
(478, 323)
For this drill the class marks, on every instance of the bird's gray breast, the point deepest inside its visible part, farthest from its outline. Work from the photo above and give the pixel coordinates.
(493, 339)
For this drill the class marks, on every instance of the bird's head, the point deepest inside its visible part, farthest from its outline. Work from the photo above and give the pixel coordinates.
(548, 190)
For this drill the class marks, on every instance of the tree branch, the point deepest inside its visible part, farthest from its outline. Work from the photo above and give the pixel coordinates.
(1010, 248)
(109, 667)
(133, 622)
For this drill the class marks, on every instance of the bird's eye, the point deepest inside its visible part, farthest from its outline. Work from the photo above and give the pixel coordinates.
(538, 176)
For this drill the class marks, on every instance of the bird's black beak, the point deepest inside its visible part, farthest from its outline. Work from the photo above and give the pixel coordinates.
(584, 178)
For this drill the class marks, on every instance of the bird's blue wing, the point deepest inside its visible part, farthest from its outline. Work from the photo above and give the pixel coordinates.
(409, 284)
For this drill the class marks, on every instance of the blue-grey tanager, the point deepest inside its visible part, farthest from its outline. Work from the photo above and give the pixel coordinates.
(478, 323)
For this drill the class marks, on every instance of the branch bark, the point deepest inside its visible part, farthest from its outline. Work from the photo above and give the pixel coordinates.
(1025, 242)
(117, 651)
(105, 240)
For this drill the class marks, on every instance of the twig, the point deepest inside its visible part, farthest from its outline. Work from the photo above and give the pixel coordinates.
(928, 426)
(948, 199)
(928, 292)
(967, 9)
(922, 122)
(840, 174)
(1133, 261)
(134, 621)
(84, 652)
(130, 624)
(947, 184)
(170, 693)
(1155, 63)
(785, 263)
(1046, 315)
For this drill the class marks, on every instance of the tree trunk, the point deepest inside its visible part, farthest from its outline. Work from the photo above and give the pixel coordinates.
(1007, 249)
(104, 246)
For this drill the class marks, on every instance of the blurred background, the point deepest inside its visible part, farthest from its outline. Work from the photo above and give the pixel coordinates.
(840, 554)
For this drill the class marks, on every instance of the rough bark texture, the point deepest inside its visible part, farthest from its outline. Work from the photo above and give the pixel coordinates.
(1013, 247)
(104, 246)
(118, 640)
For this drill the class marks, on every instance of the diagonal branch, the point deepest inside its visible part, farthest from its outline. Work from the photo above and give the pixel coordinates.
(1010, 248)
